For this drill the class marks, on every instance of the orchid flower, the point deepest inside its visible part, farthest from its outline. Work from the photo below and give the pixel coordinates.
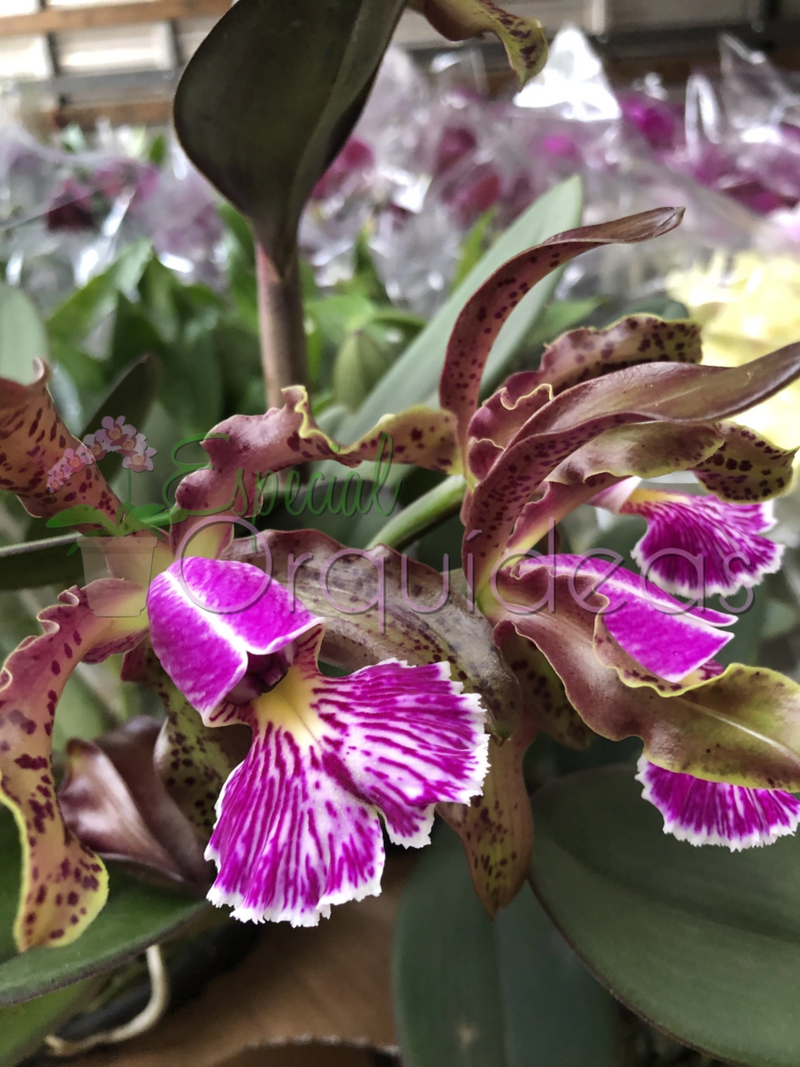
(594, 645)
(297, 823)
(297, 827)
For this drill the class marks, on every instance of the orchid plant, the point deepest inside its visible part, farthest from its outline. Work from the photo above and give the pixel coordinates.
(318, 696)
(579, 645)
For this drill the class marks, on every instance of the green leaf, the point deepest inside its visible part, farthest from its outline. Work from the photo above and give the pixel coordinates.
(132, 394)
(136, 916)
(156, 288)
(269, 98)
(700, 941)
(414, 378)
(78, 515)
(87, 307)
(472, 992)
(24, 1027)
(22, 335)
(192, 391)
(360, 363)
(473, 246)
(37, 563)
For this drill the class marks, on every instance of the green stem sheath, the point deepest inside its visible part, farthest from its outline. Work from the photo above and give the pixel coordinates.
(427, 512)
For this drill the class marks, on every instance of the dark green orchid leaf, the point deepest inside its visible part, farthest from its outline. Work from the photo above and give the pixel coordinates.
(36, 563)
(23, 1027)
(470, 991)
(269, 98)
(136, 915)
(87, 307)
(700, 941)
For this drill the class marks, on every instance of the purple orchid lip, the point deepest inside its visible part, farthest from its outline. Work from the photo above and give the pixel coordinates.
(298, 826)
(700, 545)
(716, 813)
(668, 638)
(208, 616)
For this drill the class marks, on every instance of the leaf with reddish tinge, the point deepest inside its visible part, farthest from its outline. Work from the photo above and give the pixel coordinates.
(523, 38)
(63, 883)
(245, 449)
(33, 438)
(496, 829)
(485, 312)
(113, 800)
(747, 467)
(742, 727)
(379, 604)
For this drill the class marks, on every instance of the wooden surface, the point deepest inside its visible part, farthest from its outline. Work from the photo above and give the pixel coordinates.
(103, 16)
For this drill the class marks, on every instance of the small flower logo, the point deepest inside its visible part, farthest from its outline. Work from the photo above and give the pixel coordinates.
(115, 435)
(138, 457)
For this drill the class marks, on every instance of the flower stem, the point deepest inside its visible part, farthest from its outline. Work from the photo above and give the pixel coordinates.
(280, 317)
(427, 512)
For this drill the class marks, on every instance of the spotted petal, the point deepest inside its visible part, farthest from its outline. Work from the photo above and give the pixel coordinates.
(63, 884)
(523, 38)
(668, 392)
(298, 826)
(33, 439)
(715, 813)
(575, 357)
(484, 314)
(246, 448)
(207, 615)
(700, 545)
(748, 467)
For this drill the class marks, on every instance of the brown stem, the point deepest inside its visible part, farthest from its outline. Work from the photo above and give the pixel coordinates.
(280, 316)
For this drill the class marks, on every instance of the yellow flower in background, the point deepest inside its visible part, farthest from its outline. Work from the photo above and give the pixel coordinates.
(748, 304)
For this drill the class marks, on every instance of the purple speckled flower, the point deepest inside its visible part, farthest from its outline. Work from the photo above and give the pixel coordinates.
(298, 825)
(716, 813)
(699, 545)
(666, 637)
(726, 537)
